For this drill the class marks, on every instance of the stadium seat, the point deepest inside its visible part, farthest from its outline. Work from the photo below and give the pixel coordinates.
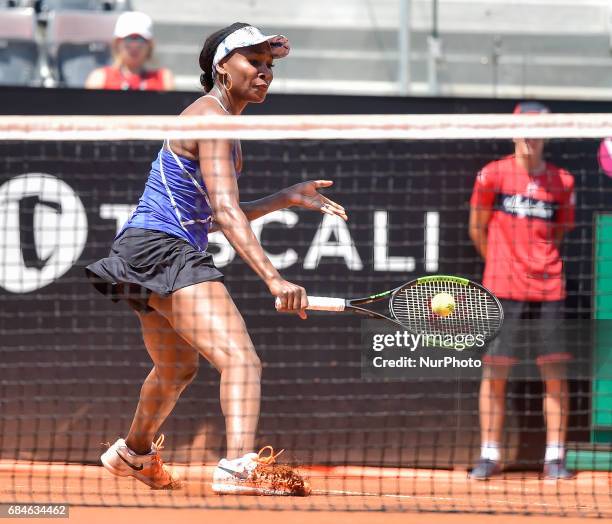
(16, 3)
(90, 5)
(18, 47)
(77, 43)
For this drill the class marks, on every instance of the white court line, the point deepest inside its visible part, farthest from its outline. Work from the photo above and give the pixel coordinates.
(416, 497)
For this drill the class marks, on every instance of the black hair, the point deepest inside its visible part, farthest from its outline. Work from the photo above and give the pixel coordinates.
(209, 49)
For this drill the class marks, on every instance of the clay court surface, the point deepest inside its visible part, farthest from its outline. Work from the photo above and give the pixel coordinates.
(340, 494)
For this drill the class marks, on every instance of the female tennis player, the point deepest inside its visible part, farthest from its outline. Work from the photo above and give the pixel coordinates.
(159, 264)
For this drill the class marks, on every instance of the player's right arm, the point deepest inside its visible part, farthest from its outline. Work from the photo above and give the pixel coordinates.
(479, 224)
(481, 207)
(217, 166)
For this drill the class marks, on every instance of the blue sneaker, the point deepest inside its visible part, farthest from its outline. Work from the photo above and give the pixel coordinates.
(485, 469)
(555, 470)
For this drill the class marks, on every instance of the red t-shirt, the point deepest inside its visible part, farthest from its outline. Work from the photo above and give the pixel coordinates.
(147, 81)
(522, 261)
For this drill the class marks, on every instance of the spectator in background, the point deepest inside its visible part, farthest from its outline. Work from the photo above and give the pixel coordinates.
(132, 49)
(521, 206)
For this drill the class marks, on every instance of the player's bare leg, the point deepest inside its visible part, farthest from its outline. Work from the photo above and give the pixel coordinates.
(556, 414)
(175, 366)
(492, 402)
(492, 409)
(205, 315)
(556, 408)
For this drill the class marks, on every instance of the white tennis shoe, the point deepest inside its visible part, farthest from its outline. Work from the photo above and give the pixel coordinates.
(256, 474)
(150, 469)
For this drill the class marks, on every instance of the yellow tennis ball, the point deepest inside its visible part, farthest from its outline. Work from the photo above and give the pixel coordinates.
(443, 304)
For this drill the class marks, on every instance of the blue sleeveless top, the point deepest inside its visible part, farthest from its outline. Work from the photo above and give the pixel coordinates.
(175, 200)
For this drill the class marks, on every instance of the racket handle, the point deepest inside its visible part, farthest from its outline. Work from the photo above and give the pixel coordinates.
(326, 304)
(322, 304)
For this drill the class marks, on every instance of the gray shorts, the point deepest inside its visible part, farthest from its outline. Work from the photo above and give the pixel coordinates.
(531, 332)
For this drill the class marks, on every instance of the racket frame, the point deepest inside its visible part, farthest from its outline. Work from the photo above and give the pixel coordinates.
(356, 303)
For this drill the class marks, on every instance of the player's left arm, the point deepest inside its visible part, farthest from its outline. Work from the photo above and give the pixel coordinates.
(305, 195)
(566, 215)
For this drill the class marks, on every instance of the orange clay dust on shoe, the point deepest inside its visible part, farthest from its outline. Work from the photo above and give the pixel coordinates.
(159, 472)
(278, 477)
(258, 474)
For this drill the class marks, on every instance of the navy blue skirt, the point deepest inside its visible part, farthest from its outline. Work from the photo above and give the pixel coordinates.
(143, 261)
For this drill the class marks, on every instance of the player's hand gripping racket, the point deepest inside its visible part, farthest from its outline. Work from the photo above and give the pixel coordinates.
(473, 310)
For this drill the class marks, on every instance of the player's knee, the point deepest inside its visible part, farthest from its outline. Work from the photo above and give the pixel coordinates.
(246, 358)
(495, 375)
(555, 386)
(177, 377)
(492, 390)
(253, 361)
(256, 363)
(553, 373)
(187, 373)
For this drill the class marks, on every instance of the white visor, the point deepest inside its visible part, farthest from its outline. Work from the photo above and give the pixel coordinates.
(246, 37)
(134, 23)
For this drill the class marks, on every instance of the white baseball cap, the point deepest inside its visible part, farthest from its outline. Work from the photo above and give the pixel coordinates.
(134, 23)
(246, 37)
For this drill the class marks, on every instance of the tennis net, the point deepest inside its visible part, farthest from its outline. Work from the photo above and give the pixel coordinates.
(72, 362)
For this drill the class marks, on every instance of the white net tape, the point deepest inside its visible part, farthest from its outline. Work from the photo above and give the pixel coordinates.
(315, 127)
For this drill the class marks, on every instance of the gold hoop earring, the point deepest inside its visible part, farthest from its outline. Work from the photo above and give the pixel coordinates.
(224, 81)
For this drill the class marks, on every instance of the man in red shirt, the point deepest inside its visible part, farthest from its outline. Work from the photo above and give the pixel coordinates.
(520, 209)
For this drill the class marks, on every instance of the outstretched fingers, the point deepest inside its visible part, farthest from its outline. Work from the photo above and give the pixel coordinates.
(333, 208)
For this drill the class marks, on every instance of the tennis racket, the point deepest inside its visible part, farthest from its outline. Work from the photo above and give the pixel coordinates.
(477, 311)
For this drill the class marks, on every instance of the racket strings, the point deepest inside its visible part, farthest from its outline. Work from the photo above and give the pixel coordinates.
(476, 312)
